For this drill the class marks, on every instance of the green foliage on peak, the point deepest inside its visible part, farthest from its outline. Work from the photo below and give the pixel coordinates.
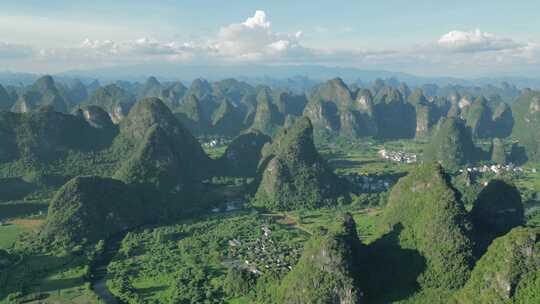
(91, 209)
(294, 175)
(328, 269)
(166, 155)
(526, 111)
(226, 119)
(478, 118)
(451, 145)
(243, 154)
(505, 270)
(47, 135)
(434, 222)
(43, 93)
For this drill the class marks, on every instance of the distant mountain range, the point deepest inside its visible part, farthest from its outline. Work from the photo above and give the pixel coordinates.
(275, 75)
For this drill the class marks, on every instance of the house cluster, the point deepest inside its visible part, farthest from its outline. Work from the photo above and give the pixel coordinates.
(263, 254)
(365, 183)
(216, 142)
(398, 156)
(497, 169)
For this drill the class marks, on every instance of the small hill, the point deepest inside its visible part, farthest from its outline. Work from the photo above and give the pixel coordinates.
(74, 92)
(293, 173)
(434, 222)
(496, 211)
(478, 118)
(395, 117)
(113, 99)
(95, 116)
(335, 110)
(43, 93)
(291, 104)
(502, 120)
(151, 88)
(267, 117)
(91, 209)
(427, 113)
(526, 112)
(165, 154)
(244, 154)
(46, 135)
(328, 269)
(451, 145)
(505, 272)
(226, 120)
(200, 88)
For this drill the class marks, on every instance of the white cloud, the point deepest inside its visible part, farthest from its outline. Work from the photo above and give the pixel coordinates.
(254, 40)
(476, 41)
(258, 20)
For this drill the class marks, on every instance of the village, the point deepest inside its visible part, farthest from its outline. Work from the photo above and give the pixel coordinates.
(498, 169)
(215, 142)
(398, 156)
(262, 255)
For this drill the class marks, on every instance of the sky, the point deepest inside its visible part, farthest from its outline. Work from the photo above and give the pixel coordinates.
(428, 38)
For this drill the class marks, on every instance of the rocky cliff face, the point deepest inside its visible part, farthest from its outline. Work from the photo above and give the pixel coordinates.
(95, 116)
(335, 110)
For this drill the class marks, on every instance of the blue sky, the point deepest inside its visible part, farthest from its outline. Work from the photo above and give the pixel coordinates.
(457, 38)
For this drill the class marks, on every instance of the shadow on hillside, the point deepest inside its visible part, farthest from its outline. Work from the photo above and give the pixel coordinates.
(392, 270)
(14, 210)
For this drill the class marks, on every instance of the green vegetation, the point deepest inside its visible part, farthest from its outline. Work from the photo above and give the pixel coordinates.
(451, 145)
(509, 260)
(192, 261)
(328, 270)
(425, 212)
(89, 209)
(526, 111)
(294, 175)
(346, 205)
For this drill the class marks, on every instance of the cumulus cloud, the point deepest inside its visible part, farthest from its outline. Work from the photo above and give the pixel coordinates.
(14, 51)
(476, 41)
(254, 39)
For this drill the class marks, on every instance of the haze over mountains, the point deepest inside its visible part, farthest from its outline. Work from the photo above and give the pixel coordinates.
(264, 74)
